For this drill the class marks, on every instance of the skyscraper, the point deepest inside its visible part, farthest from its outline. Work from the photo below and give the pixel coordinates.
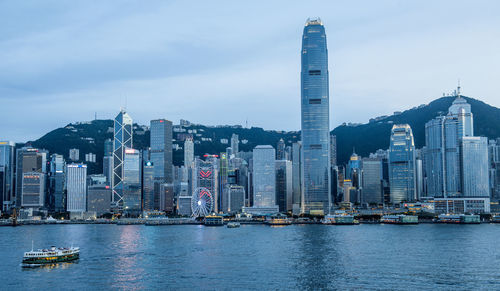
(6, 175)
(28, 160)
(264, 176)
(132, 200)
(122, 140)
(372, 181)
(161, 150)
(333, 150)
(57, 199)
(33, 190)
(296, 176)
(148, 186)
(402, 164)
(280, 150)
(315, 120)
(235, 143)
(284, 187)
(76, 183)
(475, 173)
(188, 152)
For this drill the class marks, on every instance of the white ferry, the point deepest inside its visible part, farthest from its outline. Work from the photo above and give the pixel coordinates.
(49, 256)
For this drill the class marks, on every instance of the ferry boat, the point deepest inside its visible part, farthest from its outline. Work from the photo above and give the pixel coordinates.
(495, 219)
(399, 219)
(233, 224)
(459, 219)
(339, 220)
(214, 220)
(278, 220)
(50, 256)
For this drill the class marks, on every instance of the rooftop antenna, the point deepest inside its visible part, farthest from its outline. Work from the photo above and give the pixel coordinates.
(458, 88)
(31, 245)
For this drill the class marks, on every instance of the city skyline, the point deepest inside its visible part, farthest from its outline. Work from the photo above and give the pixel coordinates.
(56, 73)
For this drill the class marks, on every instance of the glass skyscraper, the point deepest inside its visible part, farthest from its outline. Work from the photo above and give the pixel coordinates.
(161, 150)
(122, 140)
(402, 164)
(315, 120)
(76, 183)
(264, 176)
(475, 173)
(132, 182)
(6, 175)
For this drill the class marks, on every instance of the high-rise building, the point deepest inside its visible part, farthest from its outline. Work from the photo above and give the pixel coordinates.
(99, 199)
(264, 176)
(494, 161)
(315, 120)
(122, 140)
(333, 150)
(167, 197)
(234, 199)
(284, 187)
(108, 148)
(90, 157)
(76, 185)
(475, 173)
(132, 200)
(372, 181)
(280, 150)
(188, 152)
(296, 176)
(7, 151)
(161, 150)
(33, 190)
(235, 143)
(29, 160)
(57, 179)
(148, 186)
(402, 164)
(74, 154)
(206, 175)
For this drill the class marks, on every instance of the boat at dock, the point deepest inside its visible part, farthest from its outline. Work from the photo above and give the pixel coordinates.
(233, 224)
(339, 220)
(214, 220)
(459, 219)
(52, 255)
(278, 219)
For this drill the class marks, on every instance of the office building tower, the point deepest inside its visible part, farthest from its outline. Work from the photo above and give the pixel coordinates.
(184, 206)
(206, 175)
(28, 160)
(235, 143)
(296, 176)
(280, 150)
(90, 158)
(475, 173)
(264, 176)
(234, 199)
(161, 150)
(284, 185)
(74, 154)
(108, 147)
(353, 169)
(7, 152)
(57, 181)
(372, 181)
(333, 150)
(402, 164)
(167, 199)
(132, 201)
(99, 199)
(76, 185)
(188, 152)
(315, 120)
(223, 177)
(33, 190)
(419, 178)
(148, 186)
(494, 161)
(122, 139)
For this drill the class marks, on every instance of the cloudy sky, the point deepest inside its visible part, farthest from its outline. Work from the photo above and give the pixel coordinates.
(226, 62)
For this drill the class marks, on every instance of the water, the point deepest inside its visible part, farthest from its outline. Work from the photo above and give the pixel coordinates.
(396, 257)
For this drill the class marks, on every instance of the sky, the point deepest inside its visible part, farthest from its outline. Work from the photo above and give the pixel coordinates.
(235, 62)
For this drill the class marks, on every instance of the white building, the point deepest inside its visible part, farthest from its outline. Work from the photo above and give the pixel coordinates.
(76, 183)
(475, 173)
(74, 154)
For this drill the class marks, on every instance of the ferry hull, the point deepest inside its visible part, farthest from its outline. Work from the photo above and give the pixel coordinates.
(30, 262)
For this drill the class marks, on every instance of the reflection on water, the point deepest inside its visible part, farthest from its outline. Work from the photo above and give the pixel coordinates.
(48, 267)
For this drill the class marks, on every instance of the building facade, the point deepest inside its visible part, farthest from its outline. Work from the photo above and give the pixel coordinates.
(76, 184)
(315, 120)
(123, 133)
(264, 176)
(402, 164)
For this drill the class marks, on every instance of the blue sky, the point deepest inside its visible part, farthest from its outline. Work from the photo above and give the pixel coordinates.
(223, 62)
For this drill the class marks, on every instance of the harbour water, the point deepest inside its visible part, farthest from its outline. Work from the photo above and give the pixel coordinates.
(396, 257)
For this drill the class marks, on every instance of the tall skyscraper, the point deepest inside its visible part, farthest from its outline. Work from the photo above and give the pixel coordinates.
(264, 176)
(76, 184)
(372, 181)
(333, 150)
(28, 160)
(132, 198)
(148, 186)
(161, 150)
(206, 175)
(122, 139)
(33, 190)
(296, 179)
(7, 151)
(315, 120)
(235, 143)
(280, 150)
(402, 164)
(442, 152)
(475, 173)
(188, 152)
(284, 187)
(57, 183)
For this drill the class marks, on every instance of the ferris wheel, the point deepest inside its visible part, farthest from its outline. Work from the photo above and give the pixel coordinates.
(202, 202)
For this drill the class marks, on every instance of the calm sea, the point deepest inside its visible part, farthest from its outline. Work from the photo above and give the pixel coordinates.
(395, 257)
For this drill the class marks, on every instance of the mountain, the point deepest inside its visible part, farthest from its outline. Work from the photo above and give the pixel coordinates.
(366, 138)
